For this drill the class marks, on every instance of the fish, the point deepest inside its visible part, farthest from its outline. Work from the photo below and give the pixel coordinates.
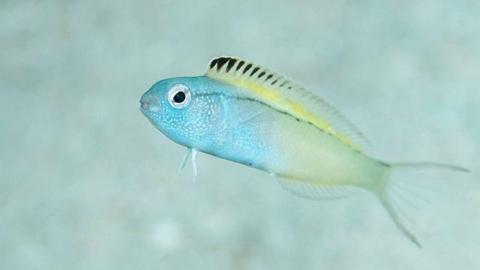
(246, 113)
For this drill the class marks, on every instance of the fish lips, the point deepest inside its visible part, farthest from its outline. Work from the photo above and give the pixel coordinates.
(149, 104)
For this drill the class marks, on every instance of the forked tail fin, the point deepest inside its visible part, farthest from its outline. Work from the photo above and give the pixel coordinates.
(394, 190)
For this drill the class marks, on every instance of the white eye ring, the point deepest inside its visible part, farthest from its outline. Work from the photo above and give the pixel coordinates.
(179, 96)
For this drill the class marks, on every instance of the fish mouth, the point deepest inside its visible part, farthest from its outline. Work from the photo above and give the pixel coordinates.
(149, 103)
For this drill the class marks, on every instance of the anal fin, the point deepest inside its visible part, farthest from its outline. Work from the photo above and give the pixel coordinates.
(317, 191)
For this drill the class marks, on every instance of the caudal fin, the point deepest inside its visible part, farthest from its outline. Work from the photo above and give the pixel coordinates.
(394, 190)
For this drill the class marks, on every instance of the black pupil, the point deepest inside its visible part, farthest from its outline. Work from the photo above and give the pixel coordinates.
(179, 97)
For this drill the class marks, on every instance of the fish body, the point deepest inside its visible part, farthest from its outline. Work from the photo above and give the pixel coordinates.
(248, 114)
(246, 131)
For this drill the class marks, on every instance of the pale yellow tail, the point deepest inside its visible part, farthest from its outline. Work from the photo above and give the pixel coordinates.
(390, 188)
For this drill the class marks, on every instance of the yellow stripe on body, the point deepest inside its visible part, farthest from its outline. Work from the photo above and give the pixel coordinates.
(274, 99)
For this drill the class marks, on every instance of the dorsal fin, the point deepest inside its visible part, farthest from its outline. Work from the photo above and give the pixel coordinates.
(275, 90)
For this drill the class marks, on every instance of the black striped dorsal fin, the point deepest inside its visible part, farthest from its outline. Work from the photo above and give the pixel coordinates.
(281, 93)
(229, 68)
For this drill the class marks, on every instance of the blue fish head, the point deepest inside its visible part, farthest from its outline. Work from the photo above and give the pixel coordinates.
(182, 109)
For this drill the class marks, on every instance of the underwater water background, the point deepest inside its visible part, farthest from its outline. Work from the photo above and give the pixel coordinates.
(86, 182)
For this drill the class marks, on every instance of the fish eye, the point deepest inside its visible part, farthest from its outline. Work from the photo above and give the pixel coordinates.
(179, 96)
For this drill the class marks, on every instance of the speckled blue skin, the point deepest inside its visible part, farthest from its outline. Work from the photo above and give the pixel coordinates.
(211, 122)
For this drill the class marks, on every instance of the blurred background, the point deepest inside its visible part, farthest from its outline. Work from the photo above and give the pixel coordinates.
(86, 182)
